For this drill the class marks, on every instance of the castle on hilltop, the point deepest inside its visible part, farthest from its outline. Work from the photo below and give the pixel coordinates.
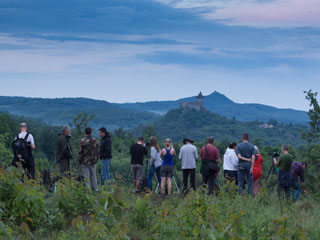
(198, 105)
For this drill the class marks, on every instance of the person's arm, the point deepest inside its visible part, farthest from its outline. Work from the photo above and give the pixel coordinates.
(173, 151)
(196, 155)
(253, 159)
(277, 161)
(180, 154)
(153, 155)
(33, 146)
(234, 160)
(218, 157)
(243, 158)
(163, 152)
(109, 146)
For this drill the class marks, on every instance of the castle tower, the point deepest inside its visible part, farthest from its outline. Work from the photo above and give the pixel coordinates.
(200, 99)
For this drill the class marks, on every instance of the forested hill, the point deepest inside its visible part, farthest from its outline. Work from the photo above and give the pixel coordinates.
(62, 111)
(220, 104)
(178, 124)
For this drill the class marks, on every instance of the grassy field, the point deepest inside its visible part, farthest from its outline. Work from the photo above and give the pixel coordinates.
(29, 211)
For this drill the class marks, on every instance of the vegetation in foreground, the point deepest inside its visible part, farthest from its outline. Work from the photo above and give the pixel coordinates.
(28, 211)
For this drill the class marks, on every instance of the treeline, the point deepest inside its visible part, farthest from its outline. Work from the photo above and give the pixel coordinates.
(180, 123)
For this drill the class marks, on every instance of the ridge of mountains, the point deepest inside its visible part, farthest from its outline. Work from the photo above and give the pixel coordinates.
(220, 104)
(61, 111)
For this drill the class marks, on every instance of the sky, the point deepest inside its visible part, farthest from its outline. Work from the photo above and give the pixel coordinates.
(253, 51)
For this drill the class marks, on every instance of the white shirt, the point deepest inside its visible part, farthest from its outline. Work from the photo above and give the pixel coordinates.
(188, 155)
(230, 160)
(30, 138)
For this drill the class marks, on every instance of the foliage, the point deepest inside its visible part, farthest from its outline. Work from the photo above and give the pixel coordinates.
(178, 124)
(27, 211)
(313, 135)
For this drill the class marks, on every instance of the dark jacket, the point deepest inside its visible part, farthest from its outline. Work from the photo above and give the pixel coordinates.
(62, 155)
(105, 147)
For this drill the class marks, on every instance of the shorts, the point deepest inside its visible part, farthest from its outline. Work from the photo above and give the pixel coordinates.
(166, 171)
(137, 171)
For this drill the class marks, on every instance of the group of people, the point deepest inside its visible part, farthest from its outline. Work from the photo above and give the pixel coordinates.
(90, 152)
(242, 163)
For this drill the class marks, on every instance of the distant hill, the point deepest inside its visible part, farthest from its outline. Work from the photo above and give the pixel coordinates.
(220, 104)
(61, 111)
(178, 124)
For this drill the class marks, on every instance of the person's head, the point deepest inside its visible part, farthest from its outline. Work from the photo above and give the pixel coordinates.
(88, 131)
(103, 132)
(66, 131)
(140, 140)
(257, 150)
(245, 137)
(233, 145)
(23, 127)
(304, 165)
(154, 143)
(167, 142)
(285, 148)
(211, 140)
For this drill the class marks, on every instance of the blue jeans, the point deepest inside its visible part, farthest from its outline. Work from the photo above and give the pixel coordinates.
(153, 170)
(105, 173)
(296, 186)
(244, 172)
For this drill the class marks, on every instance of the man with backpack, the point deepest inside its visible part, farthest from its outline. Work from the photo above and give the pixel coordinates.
(88, 158)
(22, 149)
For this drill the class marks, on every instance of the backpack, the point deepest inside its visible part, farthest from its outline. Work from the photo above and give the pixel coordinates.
(21, 150)
(89, 151)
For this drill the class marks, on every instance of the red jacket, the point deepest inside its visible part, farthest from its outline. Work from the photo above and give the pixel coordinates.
(257, 168)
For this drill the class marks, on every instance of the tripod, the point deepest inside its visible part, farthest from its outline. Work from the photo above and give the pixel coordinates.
(51, 183)
(268, 181)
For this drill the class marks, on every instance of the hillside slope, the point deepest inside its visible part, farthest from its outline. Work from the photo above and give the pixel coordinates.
(220, 104)
(178, 124)
(62, 111)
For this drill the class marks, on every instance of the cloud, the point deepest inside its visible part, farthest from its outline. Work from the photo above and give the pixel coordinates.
(268, 13)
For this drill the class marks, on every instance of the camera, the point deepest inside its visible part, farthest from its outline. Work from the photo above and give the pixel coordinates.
(148, 144)
(275, 155)
(68, 137)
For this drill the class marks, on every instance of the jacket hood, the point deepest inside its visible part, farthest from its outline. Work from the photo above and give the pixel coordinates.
(229, 151)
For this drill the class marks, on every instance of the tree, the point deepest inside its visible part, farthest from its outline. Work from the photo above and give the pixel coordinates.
(313, 135)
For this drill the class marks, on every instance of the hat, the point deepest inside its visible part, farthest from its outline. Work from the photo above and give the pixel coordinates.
(187, 140)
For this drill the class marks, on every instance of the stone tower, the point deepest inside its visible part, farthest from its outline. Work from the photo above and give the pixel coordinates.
(200, 100)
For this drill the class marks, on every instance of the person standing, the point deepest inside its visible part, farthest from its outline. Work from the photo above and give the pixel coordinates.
(138, 151)
(88, 157)
(284, 163)
(155, 162)
(188, 155)
(62, 153)
(105, 154)
(209, 153)
(25, 156)
(246, 155)
(257, 171)
(230, 164)
(168, 154)
(296, 172)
